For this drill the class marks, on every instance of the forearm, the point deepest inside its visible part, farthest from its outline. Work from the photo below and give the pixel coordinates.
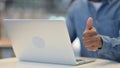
(110, 47)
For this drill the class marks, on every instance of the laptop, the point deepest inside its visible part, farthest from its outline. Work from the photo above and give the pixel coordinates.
(44, 41)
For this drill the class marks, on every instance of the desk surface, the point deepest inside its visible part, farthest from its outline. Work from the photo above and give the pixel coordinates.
(14, 63)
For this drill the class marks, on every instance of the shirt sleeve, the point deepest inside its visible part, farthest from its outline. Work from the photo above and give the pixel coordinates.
(70, 25)
(111, 47)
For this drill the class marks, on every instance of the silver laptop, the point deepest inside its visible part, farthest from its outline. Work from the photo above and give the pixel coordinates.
(42, 41)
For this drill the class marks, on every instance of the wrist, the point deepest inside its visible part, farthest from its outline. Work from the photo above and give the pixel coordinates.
(100, 43)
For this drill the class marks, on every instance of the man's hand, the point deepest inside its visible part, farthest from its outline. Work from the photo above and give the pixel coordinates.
(91, 39)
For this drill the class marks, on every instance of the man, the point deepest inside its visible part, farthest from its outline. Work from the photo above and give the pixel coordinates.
(97, 24)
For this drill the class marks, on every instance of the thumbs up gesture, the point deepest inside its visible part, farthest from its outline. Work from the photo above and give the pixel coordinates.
(90, 38)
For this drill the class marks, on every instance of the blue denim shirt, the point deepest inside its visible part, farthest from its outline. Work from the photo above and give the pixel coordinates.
(106, 21)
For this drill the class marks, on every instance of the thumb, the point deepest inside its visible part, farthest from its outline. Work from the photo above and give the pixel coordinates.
(89, 23)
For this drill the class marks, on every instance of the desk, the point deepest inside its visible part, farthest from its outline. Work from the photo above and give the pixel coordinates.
(14, 63)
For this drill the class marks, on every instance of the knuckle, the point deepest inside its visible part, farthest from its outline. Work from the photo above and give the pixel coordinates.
(89, 34)
(83, 38)
(84, 34)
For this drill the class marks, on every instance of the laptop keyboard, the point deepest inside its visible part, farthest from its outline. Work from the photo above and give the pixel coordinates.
(79, 60)
(84, 60)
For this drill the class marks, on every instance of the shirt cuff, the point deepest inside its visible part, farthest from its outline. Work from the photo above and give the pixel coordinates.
(106, 44)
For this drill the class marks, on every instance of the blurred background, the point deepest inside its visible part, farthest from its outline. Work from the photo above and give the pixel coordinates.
(35, 9)
(28, 9)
